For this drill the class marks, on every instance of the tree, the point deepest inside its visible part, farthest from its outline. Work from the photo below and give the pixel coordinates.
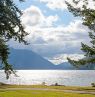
(88, 16)
(10, 28)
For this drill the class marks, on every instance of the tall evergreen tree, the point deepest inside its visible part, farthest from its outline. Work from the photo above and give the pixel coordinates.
(88, 16)
(10, 28)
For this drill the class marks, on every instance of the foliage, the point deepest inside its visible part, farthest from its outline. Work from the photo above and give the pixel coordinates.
(10, 28)
(93, 84)
(88, 16)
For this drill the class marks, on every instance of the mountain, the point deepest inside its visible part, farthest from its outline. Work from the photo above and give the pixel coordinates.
(66, 66)
(26, 59)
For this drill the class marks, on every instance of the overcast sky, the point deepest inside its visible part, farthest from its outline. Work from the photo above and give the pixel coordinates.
(54, 32)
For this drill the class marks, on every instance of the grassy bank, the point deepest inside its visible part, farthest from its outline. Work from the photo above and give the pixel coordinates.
(46, 91)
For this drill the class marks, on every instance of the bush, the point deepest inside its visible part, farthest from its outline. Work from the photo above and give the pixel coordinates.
(93, 84)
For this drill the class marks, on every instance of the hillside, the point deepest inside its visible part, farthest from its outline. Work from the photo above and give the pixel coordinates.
(66, 66)
(25, 59)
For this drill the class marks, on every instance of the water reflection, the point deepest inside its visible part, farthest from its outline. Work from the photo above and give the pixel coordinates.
(63, 77)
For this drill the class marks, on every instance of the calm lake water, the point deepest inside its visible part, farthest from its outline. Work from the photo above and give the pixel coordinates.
(63, 77)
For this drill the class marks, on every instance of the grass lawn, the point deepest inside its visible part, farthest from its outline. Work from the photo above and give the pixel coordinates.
(4, 92)
(38, 93)
(51, 87)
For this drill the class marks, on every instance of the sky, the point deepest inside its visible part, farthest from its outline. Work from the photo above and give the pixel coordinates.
(54, 33)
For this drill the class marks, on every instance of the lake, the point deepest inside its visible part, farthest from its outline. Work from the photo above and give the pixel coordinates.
(62, 77)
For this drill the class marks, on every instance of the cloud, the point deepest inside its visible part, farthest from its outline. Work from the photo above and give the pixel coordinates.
(54, 40)
(50, 20)
(60, 4)
(33, 16)
(49, 39)
(63, 58)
